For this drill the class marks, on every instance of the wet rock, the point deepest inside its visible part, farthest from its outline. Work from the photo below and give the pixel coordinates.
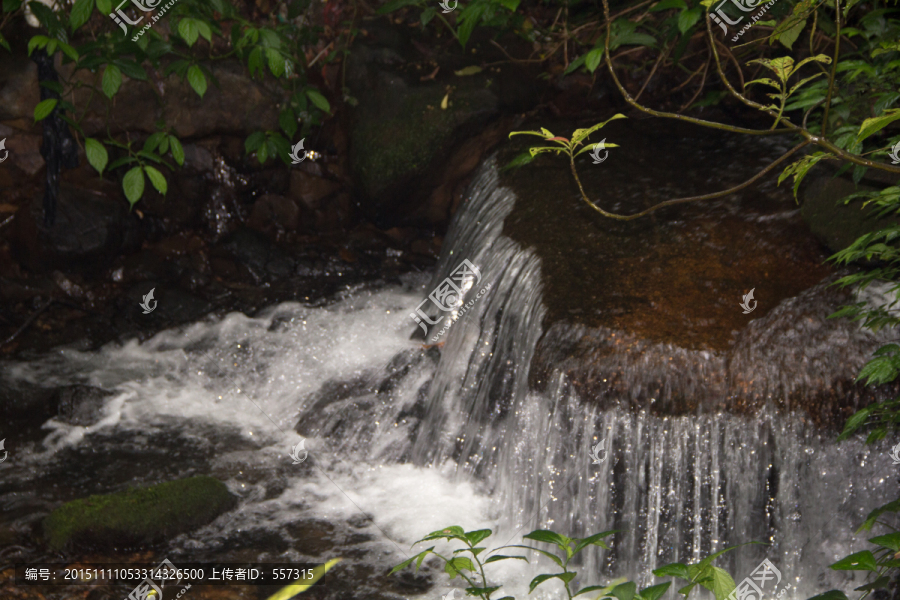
(19, 91)
(274, 214)
(137, 517)
(238, 105)
(837, 224)
(92, 227)
(310, 189)
(258, 255)
(80, 404)
(24, 149)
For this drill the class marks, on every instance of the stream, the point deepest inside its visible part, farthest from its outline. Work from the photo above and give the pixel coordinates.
(405, 436)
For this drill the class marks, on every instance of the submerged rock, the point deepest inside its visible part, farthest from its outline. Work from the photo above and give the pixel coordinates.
(137, 517)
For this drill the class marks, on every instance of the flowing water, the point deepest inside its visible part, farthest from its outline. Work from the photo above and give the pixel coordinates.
(405, 438)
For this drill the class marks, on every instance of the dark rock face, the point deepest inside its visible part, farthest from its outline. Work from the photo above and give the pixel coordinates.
(91, 228)
(837, 224)
(402, 131)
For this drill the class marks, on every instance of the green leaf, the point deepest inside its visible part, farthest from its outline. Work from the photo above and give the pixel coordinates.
(133, 185)
(44, 108)
(427, 15)
(471, 70)
(38, 41)
(276, 61)
(96, 154)
(157, 179)
(288, 121)
(583, 134)
(891, 540)
(104, 7)
(548, 537)
(4, 43)
(672, 570)
(566, 577)
(789, 36)
(719, 582)
(592, 59)
(853, 423)
(112, 80)
(319, 100)
(880, 583)
(688, 18)
(549, 555)
(519, 161)
(81, 12)
(876, 124)
(197, 80)
(481, 591)
(498, 557)
(859, 561)
(254, 141)
(512, 5)
(596, 540)
(655, 592)
(177, 150)
(204, 30)
(476, 536)
(189, 31)
(457, 564)
(625, 591)
(68, 51)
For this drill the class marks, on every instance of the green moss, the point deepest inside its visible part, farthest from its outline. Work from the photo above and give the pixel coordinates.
(138, 517)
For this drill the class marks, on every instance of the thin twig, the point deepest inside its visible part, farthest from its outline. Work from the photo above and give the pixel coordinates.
(834, 63)
(28, 322)
(702, 83)
(720, 194)
(657, 113)
(662, 56)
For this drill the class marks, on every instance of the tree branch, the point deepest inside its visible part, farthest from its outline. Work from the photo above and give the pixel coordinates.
(720, 194)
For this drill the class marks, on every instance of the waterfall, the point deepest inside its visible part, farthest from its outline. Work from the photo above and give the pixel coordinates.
(699, 449)
(678, 487)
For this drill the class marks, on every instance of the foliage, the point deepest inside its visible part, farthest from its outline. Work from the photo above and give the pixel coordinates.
(879, 564)
(92, 42)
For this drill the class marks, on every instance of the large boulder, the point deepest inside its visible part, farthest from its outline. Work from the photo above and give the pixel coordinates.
(137, 517)
(835, 223)
(92, 227)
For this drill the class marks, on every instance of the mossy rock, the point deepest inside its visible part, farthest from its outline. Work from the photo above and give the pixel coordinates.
(137, 516)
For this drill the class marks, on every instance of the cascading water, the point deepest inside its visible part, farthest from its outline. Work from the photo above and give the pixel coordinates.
(417, 438)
